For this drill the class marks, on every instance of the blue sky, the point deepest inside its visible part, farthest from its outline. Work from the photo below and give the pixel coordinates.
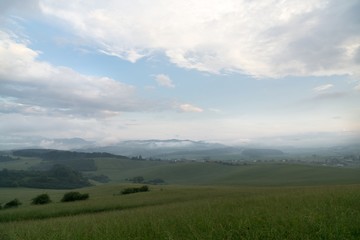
(231, 71)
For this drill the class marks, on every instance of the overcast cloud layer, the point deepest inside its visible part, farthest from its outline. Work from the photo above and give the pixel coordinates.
(259, 38)
(207, 67)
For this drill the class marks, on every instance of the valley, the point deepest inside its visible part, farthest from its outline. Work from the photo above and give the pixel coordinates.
(258, 197)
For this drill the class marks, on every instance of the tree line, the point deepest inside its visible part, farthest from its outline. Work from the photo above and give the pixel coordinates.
(58, 177)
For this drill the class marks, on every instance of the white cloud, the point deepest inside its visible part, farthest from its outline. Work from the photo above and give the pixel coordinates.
(357, 87)
(323, 87)
(31, 86)
(164, 81)
(190, 108)
(265, 38)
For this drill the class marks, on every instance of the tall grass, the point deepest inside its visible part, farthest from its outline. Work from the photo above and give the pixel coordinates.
(205, 213)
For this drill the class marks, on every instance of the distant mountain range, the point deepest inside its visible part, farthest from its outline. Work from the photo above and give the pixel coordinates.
(156, 148)
(8, 143)
(176, 148)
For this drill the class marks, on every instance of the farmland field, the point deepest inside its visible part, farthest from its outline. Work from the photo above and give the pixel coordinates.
(199, 200)
(178, 212)
(211, 173)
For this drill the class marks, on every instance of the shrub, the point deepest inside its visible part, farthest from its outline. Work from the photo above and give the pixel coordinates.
(41, 199)
(74, 196)
(12, 203)
(135, 190)
(128, 191)
(144, 188)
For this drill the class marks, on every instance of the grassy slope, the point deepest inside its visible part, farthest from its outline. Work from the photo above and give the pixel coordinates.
(171, 212)
(219, 174)
(235, 210)
(21, 164)
(188, 173)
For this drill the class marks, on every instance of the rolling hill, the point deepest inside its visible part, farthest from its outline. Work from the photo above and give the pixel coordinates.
(119, 169)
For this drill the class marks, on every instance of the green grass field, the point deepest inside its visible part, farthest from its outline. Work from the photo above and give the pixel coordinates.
(200, 201)
(210, 173)
(198, 173)
(175, 212)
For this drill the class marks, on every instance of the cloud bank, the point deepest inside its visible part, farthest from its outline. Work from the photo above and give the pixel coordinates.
(262, 39)
(30, 86)
(33, 87)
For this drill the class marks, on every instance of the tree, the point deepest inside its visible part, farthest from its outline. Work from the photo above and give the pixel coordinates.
(135, 190)
(12, 203)
(41, 199)
(74, 196)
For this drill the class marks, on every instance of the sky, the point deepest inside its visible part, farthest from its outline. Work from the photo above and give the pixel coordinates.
(231, 71)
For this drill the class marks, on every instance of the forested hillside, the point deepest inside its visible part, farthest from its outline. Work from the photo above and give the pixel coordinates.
(58, 177)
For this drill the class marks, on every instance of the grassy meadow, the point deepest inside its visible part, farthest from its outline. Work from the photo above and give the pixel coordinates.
(199, 201)
(178, 212)
(212, 173)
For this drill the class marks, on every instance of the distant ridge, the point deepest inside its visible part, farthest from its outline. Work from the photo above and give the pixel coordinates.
(53, 154)
(256, 152)
(154, 147)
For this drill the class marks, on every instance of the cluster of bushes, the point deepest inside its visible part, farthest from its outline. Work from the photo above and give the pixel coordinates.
(13, 203)
(135, 190)
(45, 199)
(140, 179)
(74, 196)
(41, 199)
